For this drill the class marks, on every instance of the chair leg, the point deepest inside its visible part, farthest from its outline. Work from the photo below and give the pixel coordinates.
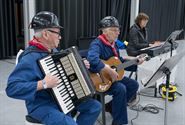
(136, 75)
(102, 97)
(130, 74)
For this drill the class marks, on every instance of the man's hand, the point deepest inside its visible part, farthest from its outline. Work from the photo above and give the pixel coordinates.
(87, 64)
(113, 74)
(140, 60)
(51, 81)
(143, 57)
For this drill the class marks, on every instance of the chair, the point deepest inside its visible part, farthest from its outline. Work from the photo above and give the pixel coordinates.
(102, 100)
(32, 121)
(83, 43)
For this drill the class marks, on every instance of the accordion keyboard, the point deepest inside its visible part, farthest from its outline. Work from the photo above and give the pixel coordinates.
(72, 85)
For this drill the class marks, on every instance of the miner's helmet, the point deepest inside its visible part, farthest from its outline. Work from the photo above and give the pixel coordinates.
(109, 21)
(44, 19)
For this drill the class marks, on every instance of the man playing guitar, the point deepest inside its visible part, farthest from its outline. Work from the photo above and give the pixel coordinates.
(103, 48)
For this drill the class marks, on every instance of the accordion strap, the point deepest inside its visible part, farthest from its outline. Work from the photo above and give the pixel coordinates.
(29, 50)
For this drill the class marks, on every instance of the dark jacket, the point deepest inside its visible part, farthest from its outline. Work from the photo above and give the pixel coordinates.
(137, 40)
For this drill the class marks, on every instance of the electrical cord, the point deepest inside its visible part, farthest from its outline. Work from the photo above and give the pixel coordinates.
(147, 108)
(137, 115)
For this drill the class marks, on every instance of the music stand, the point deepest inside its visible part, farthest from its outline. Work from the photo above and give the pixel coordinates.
(171, 38)
(165, 69)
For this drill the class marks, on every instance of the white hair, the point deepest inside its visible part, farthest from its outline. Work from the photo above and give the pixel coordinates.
(38, 33)
(104, 30)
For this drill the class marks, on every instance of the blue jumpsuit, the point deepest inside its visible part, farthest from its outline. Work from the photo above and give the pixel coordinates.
(122, 90)
(22, 84)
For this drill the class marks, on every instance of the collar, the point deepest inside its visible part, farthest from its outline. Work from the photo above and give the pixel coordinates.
(104, 40)
(35, 42)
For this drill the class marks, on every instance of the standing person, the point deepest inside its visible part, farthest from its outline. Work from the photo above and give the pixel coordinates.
(28, 83)
(138, 36)
(103, 48)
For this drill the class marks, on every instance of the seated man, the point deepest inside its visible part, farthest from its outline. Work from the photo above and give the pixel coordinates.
(28, 83)
(103, 48)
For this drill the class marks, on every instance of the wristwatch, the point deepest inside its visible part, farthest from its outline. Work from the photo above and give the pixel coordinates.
(44, 84)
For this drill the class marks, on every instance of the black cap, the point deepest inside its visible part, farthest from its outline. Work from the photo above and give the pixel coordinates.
(109, 21)
(44, 19)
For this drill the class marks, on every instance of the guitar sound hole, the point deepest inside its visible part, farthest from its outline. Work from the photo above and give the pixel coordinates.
(114, 67)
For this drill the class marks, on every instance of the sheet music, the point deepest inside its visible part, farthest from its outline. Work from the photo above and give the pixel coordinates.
(168, 63)
(146, 70)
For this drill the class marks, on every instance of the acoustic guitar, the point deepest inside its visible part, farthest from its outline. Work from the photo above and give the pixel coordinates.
(103, 80)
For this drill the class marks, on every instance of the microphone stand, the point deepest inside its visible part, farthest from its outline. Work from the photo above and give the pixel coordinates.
(171, 52)
(167, 72)
(171, 46)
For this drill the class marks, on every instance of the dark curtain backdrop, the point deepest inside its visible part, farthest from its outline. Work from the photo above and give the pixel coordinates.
(80, 18)
(165, 17)
(182, 23)
(7, 29)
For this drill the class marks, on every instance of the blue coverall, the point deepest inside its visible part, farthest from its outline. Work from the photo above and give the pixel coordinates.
(22, 84)
(122, 90)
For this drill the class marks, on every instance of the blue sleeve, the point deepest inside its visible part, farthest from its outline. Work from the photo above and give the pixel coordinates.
(22, 82)
(94, 57)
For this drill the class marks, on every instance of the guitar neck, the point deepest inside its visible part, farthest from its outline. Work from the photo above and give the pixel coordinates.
(126, 64)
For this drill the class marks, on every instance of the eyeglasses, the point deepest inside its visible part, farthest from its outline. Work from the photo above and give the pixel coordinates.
(58, 33)
(115, 30)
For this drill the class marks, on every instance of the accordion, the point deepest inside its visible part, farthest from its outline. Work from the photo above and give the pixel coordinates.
(75, 83)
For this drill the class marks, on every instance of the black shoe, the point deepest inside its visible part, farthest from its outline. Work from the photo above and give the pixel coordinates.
(108, 107)
(133, 101)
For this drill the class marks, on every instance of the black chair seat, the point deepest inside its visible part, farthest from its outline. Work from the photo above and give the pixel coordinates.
(32, 120)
